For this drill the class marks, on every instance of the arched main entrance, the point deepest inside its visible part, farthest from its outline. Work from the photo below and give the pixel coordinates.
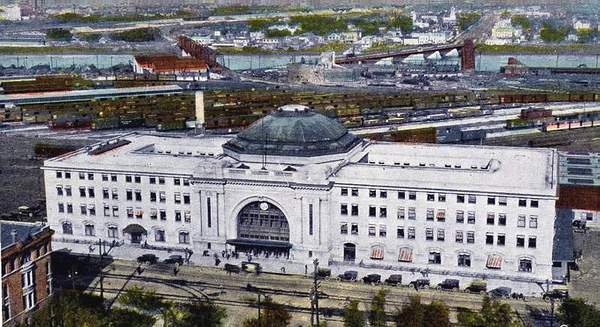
(262, 228)
(135, 231)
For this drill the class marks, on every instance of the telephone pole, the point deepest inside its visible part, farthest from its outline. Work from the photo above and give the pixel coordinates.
(314, 296)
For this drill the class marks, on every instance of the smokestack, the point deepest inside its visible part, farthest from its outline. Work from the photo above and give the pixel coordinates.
(13, 233)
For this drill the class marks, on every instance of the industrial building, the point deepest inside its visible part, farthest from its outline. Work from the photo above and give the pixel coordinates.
(297, 185)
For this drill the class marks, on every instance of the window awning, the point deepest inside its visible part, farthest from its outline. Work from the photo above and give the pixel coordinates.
(405, 255)
(494, 261)
(134, 228)
(377, 253)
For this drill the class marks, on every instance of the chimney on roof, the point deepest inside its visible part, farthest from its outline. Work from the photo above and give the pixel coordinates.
(13, 233)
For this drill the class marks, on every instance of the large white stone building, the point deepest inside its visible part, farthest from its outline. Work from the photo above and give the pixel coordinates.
(299, 186)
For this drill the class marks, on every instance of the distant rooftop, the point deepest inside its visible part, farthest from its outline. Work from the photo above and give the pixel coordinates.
(579, 168)
(23, 231)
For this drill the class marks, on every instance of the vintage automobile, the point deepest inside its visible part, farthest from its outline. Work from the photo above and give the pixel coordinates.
(449, 284)
(500, 292)
(420, 283)
(477, 286)
(349, 276)
(372, 279)
(147, 258)
(175, 258)
(394, 280)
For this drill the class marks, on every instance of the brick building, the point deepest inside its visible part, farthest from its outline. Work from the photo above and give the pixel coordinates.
(26, 269)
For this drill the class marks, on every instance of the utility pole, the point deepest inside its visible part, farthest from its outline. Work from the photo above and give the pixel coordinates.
(314, 296)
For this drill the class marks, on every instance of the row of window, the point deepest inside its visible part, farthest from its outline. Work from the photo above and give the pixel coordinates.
(440, 215)
(130, 195)
(441, 197)
(128, 178)
(12, 263)
(90, 210)
(113, 232)
(435, 257)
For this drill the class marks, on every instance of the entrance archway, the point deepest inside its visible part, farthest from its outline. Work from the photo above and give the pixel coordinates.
(349, 252)
(262, 228)
(135, 231)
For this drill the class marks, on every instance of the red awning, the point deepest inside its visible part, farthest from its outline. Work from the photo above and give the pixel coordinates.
(405, 255)
(377, 253)
(494, 262)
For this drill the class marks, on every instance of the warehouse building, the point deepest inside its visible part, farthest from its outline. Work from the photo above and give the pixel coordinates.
(297, 185)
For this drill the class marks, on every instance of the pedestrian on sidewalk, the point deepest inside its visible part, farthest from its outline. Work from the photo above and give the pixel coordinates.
(306, 270)
(283, 270)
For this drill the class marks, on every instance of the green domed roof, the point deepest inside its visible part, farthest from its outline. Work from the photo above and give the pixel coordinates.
(294, 130)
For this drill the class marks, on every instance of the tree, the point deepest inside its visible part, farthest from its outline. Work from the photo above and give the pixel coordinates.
(577, 313)
(551, 33)
(353, 317)
(377, 317)
(273, 315)
(403, 22)
(492, 314)
(416, 314)
(59, 34)
(520, 20)
(140, 299)
(201, 314)
(467, 19)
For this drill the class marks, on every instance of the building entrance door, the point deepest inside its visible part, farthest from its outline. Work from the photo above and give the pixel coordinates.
(136, 238)
(349, 252)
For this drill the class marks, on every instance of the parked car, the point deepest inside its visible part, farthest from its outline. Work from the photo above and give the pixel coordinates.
(251, 267)
(449, 284)
(556, 294)
(372, 279)
(477, 286)
(147, 258)
(500, 292)
(349, 275)
(322, 273)
(420, 283)
(394, 280)
(175, 258)
(232, 268)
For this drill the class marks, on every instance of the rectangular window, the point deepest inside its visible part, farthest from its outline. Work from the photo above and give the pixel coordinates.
(152, 196)
(532, 242)
(152, 180)
(491, 200)
(115, 194)
(442, 197)
(82, 192)
(460, 216)
(104, 178)
(502, 201)
(113, 178)
(400, 232)
(501, 240)
(441, 235)
(460, 198)
(430, 197)
(383, 194)
(105, 193)
(382, 231)
(59, 190)
(69, 208)
(521, 221)
(184, 237)
(128, 179)
(441, 215)
(163, 214)
(343, 209)
(310, 219)
(92, 209)
(502, 219)
(464, 260)
(401, 213)
(89, 230)
(90, 176)
(159, 236)
(489, 238)
(58, 174)
(382, 212)
(137, 179)
(129, 212)
(354, 192)
(533, 221)
(138, 195)
(177, 197)
(372, 211)
(429, 234)
(491, 218)
(344, 228)
(435, 258)
(412, 195)
(534, 203)
(412, 213)
(401, 195)
(139, 213)
(106, 210)
(522, 203)
(83, 209)
(129, 195)
(354, 210)
(411, 233)
(162, 196)
(186, 182)
(115, 211)
(68, 190)
(112, 232)
(471, 217)
(177, 215)
(471, 237)
(372, 230)
(153, 214)
(186, 198)
(459, 236)
(91, 193)
(176, 181)
(67, 175)
(430, 214)
(520, 241)
(354, 229)
(372, 193)
(472, 199)
(161, 180)
(208, 213)
(82, 176)
(344, 192)
(61, 207)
